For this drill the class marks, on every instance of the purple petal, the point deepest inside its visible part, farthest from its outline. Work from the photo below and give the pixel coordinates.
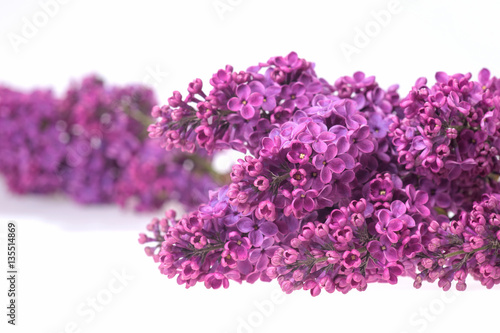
(256, 237)
(241, 253)
(245, 267)
(298, 89)
(442, 200)
(262, 263)
(314, 87)
(257, 86)
(347, 176)
(348, 160)
(423, 210)
(255, 99)
(301, 101)
(268, 229)
(234, 104)
(395, 225)
(391, 254)
(442, 77)
(247, 111)
(326, 175)
(365, 146)
(305, 137)
(245, 224)
(421, 198)
(358, 76)
(326, 136)
(331, 152)
(314, 129)
(342, 145)
(384, 216)
(308, 204)
(351, 124)
(374, 246)
(272, 91)
(269, 104)
(267, 243)
(398, 208)
(468, 164)
(362, 133)
(243, 91)
(410, 222)
(319, 146)
(298, 204)
(392, 237)
(337, 165)
(254, 255)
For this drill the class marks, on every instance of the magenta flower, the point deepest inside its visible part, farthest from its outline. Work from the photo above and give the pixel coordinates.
(360, 141)
(216, 280)
(382, 250)
(266, 210)
(416, 201)
(245, 102)
(289, 63)
(349, 112)
(260, 257)
(454, 102)
(238, 246)
(299, 152)
(388, 226)
(410, 246)
(257, 230)
(392, 271)
(294, 96)
(303, 201)
(328, 163)
(317, 137)
(351, 258)
(269, 94)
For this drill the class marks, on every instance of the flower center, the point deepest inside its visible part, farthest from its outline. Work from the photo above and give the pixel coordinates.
(302, 155)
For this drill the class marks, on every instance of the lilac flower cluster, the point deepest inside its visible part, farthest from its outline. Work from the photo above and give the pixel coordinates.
(92, 144)
(349, 186)
(30, 150)
(468, 244)
(241, 108)
(449, 137)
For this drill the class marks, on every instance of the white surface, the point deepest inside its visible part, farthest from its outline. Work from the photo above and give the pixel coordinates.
(68, 254)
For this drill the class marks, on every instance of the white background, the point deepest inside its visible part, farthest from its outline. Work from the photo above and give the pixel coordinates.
(70, 254)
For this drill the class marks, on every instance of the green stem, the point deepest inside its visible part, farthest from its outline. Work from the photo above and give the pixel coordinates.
(204, 166)
(204, 251)
(456, 253)
(139, 116)
(225, 112)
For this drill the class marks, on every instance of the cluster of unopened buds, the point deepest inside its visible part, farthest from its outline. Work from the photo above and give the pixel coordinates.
(343, 184)
(92, 144)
